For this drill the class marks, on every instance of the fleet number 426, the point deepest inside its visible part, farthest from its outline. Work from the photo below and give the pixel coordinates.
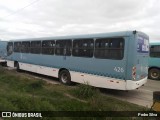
(118, 69)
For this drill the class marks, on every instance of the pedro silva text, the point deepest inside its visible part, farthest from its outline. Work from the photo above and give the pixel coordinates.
(147, 114)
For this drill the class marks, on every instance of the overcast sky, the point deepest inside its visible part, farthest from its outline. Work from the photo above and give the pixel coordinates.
(45, 18)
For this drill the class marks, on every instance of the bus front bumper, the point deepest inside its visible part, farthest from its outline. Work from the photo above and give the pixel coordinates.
(131, 84)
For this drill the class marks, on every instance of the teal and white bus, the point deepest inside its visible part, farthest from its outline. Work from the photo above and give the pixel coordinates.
(154, 61)
(117, 60)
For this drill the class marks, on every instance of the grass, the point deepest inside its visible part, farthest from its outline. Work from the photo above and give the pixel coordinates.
(22, 93)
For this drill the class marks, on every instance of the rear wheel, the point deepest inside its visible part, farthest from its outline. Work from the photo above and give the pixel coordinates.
(154, 74)
(65, 77)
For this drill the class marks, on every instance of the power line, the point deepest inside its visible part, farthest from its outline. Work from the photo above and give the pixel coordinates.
(19, 10)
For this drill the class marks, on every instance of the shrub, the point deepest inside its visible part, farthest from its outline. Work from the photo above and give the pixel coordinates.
(37, 85)
(84, 91)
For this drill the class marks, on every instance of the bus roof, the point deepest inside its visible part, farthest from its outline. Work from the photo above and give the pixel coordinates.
(115, 34)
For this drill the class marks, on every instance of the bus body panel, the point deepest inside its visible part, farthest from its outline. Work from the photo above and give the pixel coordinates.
(84, 78)
(137, 61)
(154, 62)
(142, 56)
(130, 57)
(102, 67)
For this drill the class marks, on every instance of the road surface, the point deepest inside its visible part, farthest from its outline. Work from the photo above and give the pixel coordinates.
(142, 96)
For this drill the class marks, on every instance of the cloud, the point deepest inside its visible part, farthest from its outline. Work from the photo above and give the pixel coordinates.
(67, 17)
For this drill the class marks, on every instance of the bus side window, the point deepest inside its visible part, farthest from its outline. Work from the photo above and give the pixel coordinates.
(101, 48)
(109, 48)
(116, 50)
(63, 47)
(35, 47)
(83, 47)
(48, 47)
(17, 46)
(25, 48)
(10, 48)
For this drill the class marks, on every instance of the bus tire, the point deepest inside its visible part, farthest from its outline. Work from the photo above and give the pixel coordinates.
(65, 77)
(154, 74)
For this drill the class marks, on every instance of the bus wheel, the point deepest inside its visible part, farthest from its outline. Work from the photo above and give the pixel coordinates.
(65, 77)
(154, 74)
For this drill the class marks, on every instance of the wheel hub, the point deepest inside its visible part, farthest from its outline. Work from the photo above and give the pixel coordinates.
(64, 78)
(154, 75)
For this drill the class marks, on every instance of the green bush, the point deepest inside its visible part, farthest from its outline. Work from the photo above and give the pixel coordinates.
(6, 105)
(1, 69)
(84, 91)
(37, 85)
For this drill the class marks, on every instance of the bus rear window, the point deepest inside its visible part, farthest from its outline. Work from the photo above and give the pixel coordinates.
(142, 45)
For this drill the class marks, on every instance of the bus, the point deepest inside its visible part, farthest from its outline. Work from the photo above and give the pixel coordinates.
(154, 61)
(3, 51)
(116, 60)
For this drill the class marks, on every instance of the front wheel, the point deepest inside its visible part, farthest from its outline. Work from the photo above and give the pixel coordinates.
(154, 74)
(65, 77)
